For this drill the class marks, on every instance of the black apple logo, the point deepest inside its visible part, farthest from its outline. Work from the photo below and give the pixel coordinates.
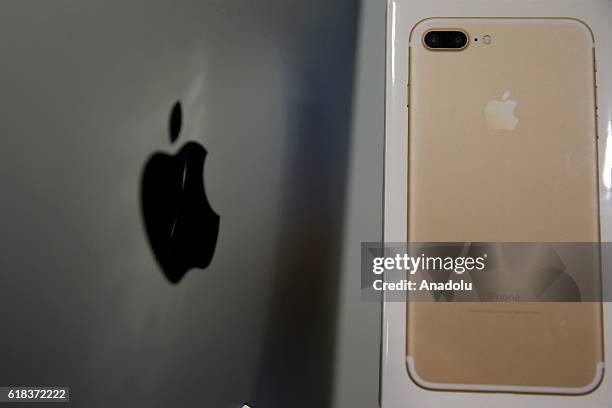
(180, 223)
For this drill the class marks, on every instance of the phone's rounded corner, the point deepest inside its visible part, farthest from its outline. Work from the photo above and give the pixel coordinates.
(583, 24)
(415, 377)
(598, 378)
(417, 25)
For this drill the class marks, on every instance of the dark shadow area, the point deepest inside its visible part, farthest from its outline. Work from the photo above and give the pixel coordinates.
(297, 360)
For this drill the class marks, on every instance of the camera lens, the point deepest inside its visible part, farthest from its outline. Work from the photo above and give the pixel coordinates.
(432, 40)
(460, 39)
(445, 40)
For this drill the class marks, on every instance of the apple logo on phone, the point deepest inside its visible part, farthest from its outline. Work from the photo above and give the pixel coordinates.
(181, 226)
(500, 114)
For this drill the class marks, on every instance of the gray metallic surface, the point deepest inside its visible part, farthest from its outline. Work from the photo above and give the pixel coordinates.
(86, 89)
(356, 378)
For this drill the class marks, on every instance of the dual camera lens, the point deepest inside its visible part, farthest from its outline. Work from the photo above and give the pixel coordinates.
(447, 40)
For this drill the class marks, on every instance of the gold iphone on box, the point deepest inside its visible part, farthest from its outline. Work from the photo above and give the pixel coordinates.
(502, 143)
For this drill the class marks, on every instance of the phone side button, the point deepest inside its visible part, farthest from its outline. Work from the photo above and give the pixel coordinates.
(408, 95)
